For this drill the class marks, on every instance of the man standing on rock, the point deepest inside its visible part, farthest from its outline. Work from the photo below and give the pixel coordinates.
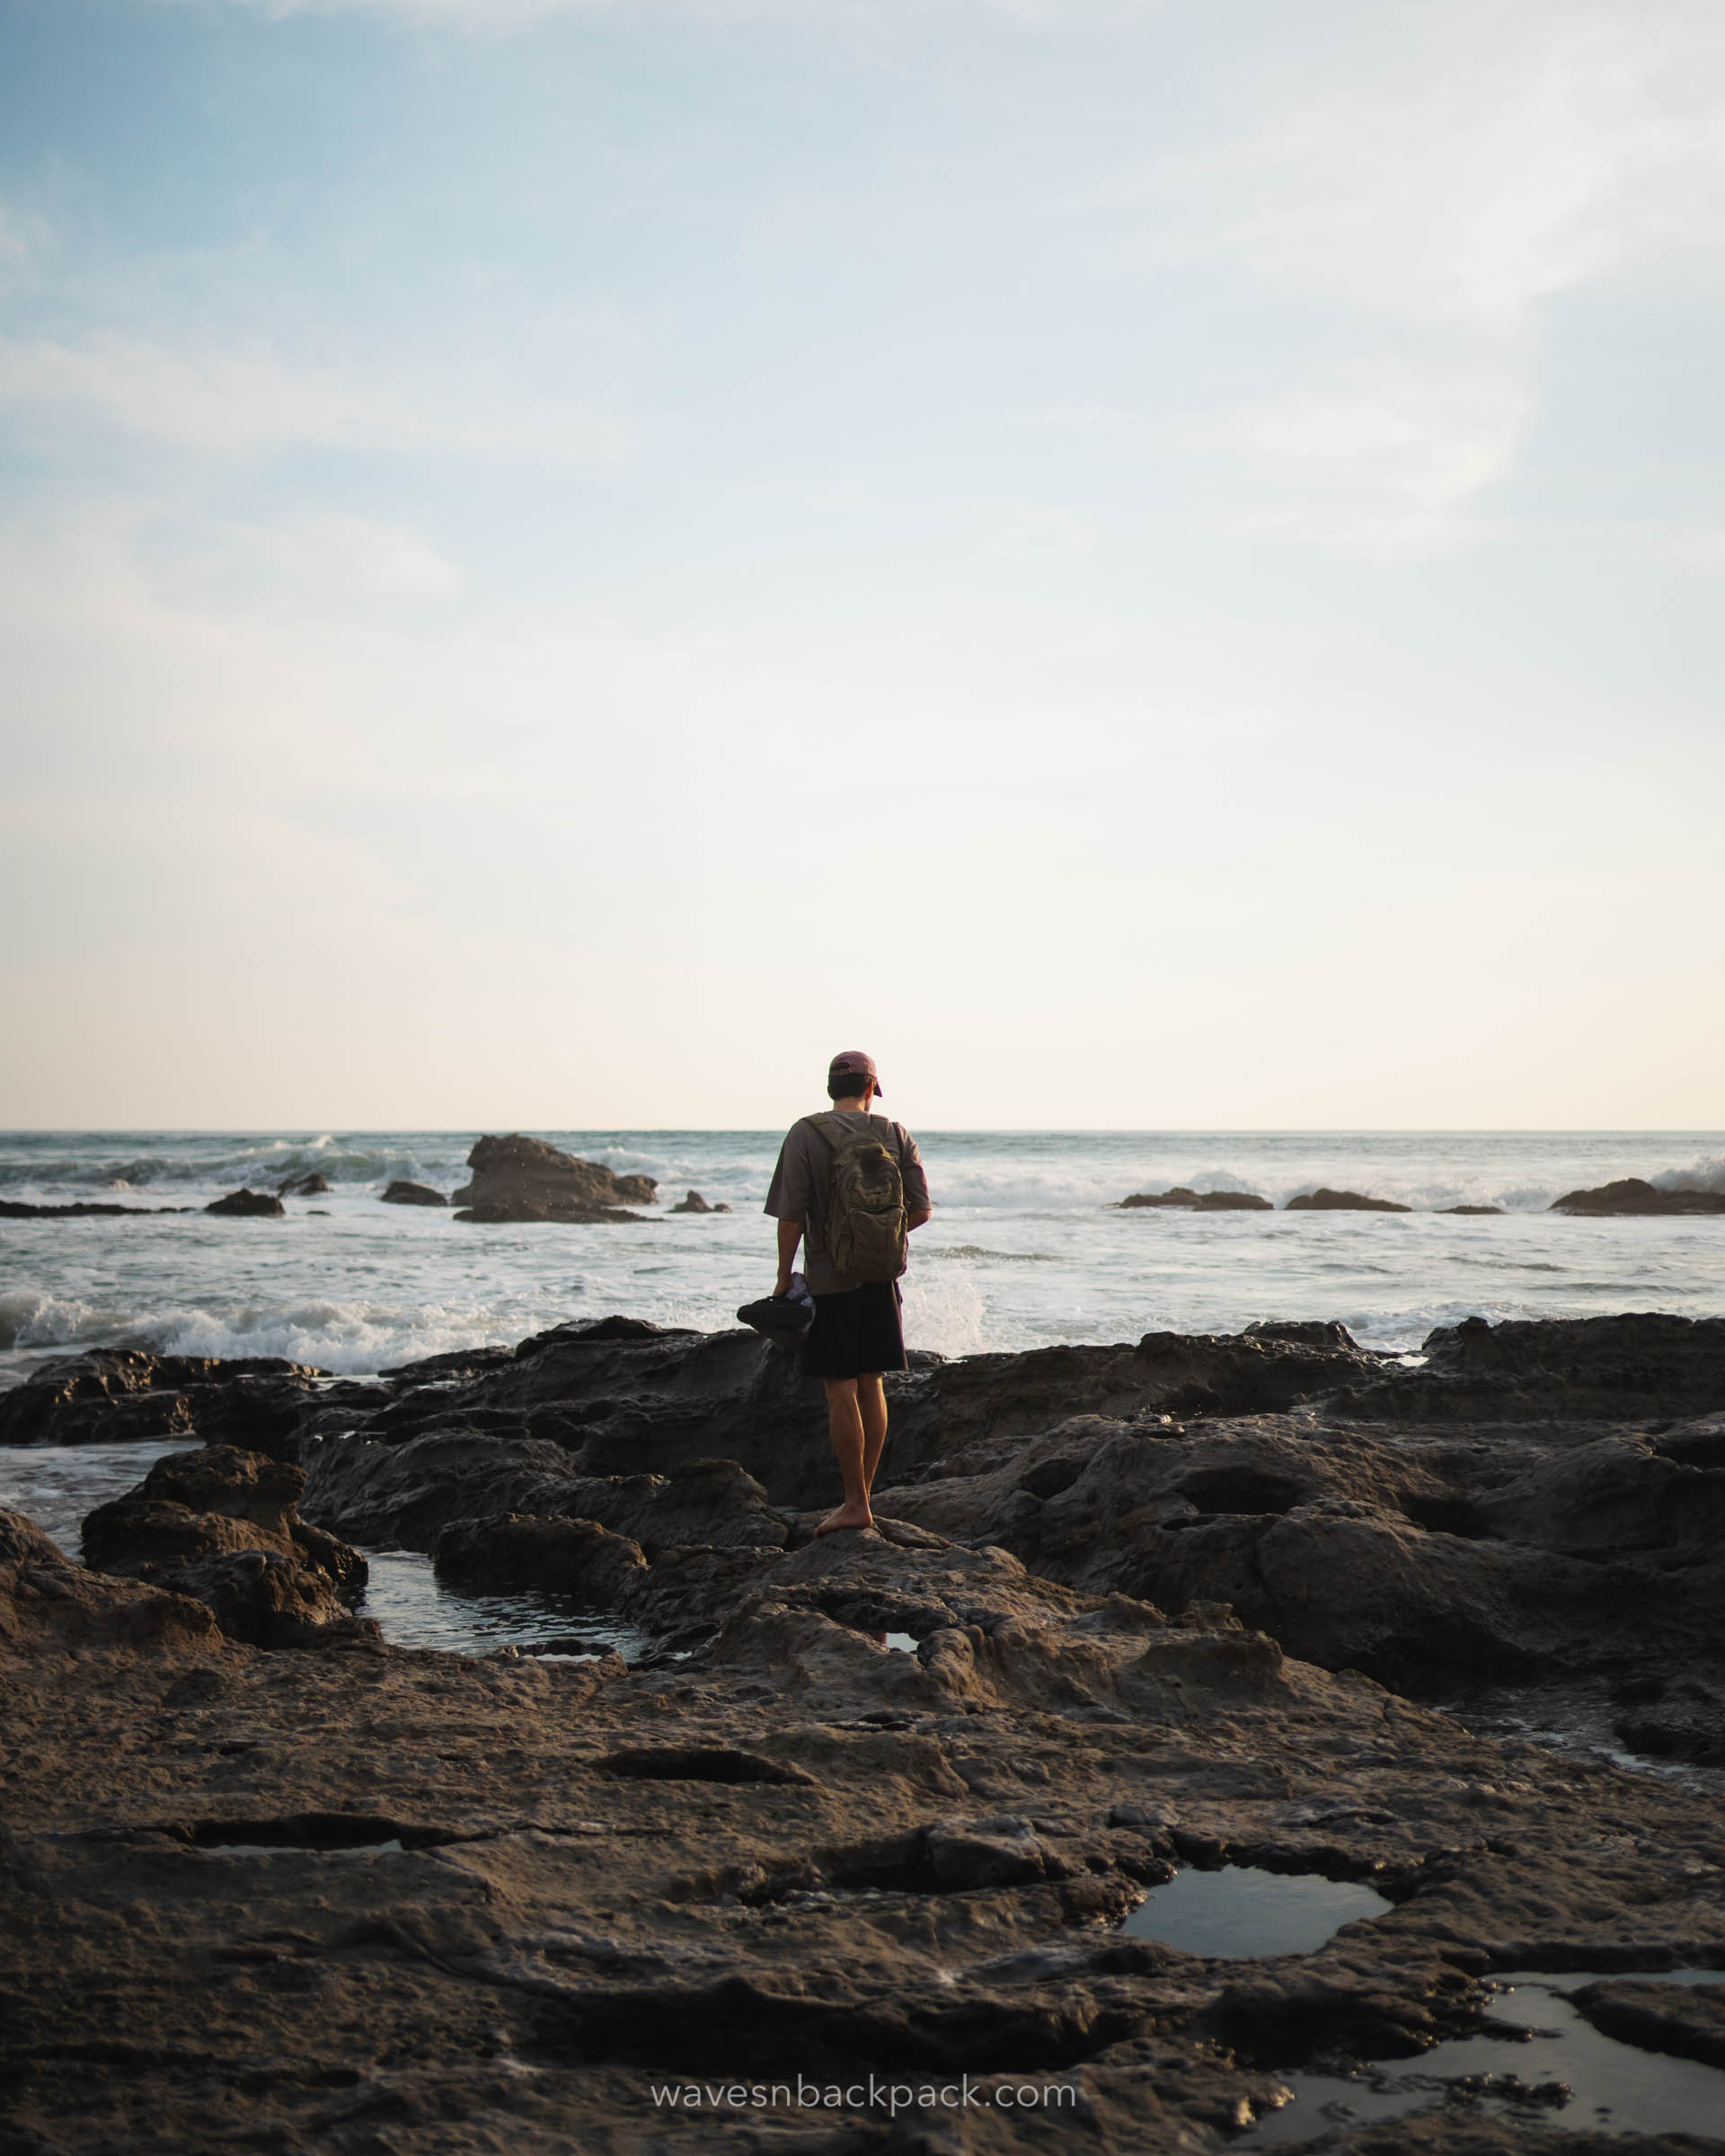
(850, 1187)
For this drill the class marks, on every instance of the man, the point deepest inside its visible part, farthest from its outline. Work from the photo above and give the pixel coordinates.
(857, 1331)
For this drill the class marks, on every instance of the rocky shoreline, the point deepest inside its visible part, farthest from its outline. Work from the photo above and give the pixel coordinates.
(874, 1803)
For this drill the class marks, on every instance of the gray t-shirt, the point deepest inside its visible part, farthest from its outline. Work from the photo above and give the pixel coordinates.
(802, 1183)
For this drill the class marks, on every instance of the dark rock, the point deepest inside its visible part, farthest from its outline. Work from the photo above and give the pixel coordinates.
(115, 1395)
(312, 1185)
(528, 1180)
(574, 1558)
(1633, 1196)
(1342, 1201)
(47, 1600)
(83, 1209)
(1545, 1370)
(247, 1204)
(1684, 2020)
(1194, 1201)
(1472, 1212)
(402, 1193)
(696, 1203)
(222, 1526)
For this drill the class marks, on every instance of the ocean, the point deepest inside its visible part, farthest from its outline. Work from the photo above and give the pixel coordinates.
(1023, 1249)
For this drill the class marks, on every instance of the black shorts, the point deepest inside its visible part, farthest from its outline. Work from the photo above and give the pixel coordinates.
(855, 1332)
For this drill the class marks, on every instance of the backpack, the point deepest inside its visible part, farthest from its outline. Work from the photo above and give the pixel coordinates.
(866, 1236)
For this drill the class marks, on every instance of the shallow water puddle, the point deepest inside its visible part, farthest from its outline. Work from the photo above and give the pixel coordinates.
(415, 1609)
(1241, 1911)
(1567, 2075)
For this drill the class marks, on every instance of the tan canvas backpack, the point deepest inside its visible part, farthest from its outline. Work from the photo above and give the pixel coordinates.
(866, 1234)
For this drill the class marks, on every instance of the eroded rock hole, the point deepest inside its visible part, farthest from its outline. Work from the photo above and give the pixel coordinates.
(313, 1830)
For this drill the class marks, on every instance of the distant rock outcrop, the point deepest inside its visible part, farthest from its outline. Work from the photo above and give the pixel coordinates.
(303, 1186)
(402, 1193)
(1198, 1201)
(247, 1204)
(1344, 1201)
(525, 1178)
(1631, 1195)
(1472, 1212)
(696, 1203)
(84, 1209)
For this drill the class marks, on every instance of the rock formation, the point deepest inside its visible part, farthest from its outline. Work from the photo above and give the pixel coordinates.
(81, 1209)
(1631, 1195)
(1195, 1201)
(247, 1204)
(222, 1526)
(518, 1178)
(403, 1193)
(696, 1203)
(346, 1896)
(312, 1185)
(1342, 1201)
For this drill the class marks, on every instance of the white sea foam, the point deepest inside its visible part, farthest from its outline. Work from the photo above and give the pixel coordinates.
(1707, 1173)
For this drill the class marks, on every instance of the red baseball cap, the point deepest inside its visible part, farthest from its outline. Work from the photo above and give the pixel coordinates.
(854, 1061)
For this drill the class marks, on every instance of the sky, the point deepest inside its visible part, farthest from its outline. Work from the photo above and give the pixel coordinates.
(1155, 566)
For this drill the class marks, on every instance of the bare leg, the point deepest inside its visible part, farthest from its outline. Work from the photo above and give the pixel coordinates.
(844, 1421)
(872, 1405)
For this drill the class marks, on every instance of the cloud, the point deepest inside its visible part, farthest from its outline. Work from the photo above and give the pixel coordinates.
(1425, 199)
(246, 399)
(1486, 162)
(1388, 460)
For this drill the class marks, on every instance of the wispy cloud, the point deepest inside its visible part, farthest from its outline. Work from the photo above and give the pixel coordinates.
(246, 400)
(1427, 207)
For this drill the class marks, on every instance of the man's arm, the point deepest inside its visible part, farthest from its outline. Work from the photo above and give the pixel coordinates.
(790, 1236)
(913, 1221)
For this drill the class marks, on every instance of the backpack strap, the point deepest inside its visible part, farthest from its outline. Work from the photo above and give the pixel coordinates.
(838, 1132)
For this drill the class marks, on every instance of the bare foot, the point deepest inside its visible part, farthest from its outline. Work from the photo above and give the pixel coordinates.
(846, 1516)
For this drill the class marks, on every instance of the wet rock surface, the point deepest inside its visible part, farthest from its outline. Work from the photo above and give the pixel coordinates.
(518, 1178)
(224, 1527)
(1342, 1201)
(401, 1192)
(346, 1896)
(248, 1204)
(1631, 1194)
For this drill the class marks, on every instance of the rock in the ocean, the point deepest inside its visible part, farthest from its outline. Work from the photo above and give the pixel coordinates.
(525, 1178)
(223, 1528)
(1472, 1212)
(1198, 1201)
(1631, 1195)
(696, 1203)
(402, 1193)
(13, 1209)
(1342, 1201)
(247, 1204)
(303, 1186)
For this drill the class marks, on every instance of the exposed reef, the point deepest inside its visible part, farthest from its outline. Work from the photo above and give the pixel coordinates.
(1180, 1602)
(518, 1178)
(1198, 1201)
(1342, 1201)
(1633, 1196)
(403, 1193)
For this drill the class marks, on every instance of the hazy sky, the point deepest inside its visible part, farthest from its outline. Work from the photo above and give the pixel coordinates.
(558, 563)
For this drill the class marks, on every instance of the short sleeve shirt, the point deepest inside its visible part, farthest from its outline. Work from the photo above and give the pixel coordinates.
(801, 1188)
